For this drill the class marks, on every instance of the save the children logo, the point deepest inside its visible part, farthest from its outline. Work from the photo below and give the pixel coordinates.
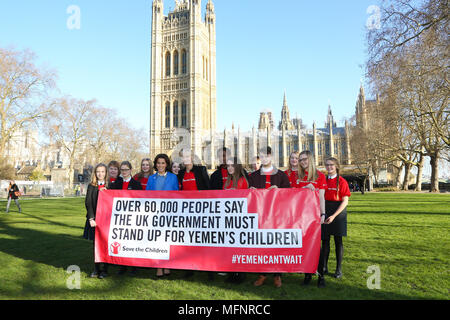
(114, 248)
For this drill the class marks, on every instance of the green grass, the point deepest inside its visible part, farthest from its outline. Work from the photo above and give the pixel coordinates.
(404, 234)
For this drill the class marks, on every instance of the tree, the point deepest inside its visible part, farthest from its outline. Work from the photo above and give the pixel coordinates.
(408, 65)
(24, 92)
(69, 126)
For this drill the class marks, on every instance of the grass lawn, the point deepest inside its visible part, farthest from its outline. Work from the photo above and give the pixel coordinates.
(405, 235)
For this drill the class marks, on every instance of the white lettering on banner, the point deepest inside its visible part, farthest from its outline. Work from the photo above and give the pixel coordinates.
(146, 228)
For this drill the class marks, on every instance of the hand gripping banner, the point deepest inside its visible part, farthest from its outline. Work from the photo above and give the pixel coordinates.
(216, 230)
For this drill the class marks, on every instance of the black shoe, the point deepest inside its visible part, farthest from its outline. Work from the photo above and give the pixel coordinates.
(94, 274)
(308, 278)
(102, 275)
(321, 282)
(338, 274)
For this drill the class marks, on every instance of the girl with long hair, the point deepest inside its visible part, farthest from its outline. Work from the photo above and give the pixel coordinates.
(146, 171)
(336, 201)
(292, 171)
(237, 176)
(98, 182)
(237, 179)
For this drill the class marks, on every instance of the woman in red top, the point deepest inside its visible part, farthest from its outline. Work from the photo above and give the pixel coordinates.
(336, 200)
(292, 171)
(311, 178)
(146, 171)
(237, 178)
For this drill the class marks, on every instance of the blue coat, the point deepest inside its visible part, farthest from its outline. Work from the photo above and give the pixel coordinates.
(171, 182)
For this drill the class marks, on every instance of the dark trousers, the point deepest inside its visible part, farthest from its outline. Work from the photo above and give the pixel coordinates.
(325, 253)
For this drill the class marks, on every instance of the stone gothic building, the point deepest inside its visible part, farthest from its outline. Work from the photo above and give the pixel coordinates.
(183, 98)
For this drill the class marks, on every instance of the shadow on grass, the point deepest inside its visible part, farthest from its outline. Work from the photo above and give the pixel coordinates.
(61, 250)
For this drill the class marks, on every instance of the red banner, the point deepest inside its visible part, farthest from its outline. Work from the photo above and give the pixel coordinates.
(232, 230)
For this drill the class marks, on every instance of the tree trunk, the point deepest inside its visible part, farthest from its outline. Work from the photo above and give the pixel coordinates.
(434, 162)
(396, 181)
(406, 176)
(419, 173)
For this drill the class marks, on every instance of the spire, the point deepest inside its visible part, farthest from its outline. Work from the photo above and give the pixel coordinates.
(285, 117)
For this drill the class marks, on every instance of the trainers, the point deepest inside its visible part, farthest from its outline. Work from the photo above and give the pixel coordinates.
(260, 281)
(277, 281)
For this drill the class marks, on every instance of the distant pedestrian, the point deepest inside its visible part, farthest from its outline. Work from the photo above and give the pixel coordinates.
(13, 194)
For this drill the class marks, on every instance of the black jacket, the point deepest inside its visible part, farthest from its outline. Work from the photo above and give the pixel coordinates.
(11, 191)
(133, 185)
(201, 177)
(91, 201)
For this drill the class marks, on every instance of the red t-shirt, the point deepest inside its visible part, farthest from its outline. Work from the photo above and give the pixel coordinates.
(331, 192)
(101, 186)
(142, 180)
(224, 175)
(125, 185)
(189, 182)
(242, 184)
(320, 183)
(268, 175)
(112, 180)
(293, 178)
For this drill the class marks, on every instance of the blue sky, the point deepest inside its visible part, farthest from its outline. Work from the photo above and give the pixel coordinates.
(313, 50)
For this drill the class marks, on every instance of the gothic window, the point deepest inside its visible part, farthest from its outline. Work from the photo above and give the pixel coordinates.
(175, 114)
(183, 114)
(175, 62)
(168, 64)
(183, 61)
(167, 114)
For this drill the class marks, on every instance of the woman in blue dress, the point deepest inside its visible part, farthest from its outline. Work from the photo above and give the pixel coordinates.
(162, 180)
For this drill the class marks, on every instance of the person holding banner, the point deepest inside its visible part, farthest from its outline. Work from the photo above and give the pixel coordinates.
(146, 171)
(162, 180)
(336, 201)
(126, 182)
(311, 178)
(98, 183)
(237, 179)
(221, 174)
(113, 172)
(237, 176)
(292, 171)
(192, 177)
(268, 177)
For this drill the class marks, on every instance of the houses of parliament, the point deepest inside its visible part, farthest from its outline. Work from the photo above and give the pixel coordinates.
(183, 98)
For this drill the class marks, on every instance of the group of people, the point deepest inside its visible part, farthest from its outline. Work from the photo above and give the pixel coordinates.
(183, 174)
